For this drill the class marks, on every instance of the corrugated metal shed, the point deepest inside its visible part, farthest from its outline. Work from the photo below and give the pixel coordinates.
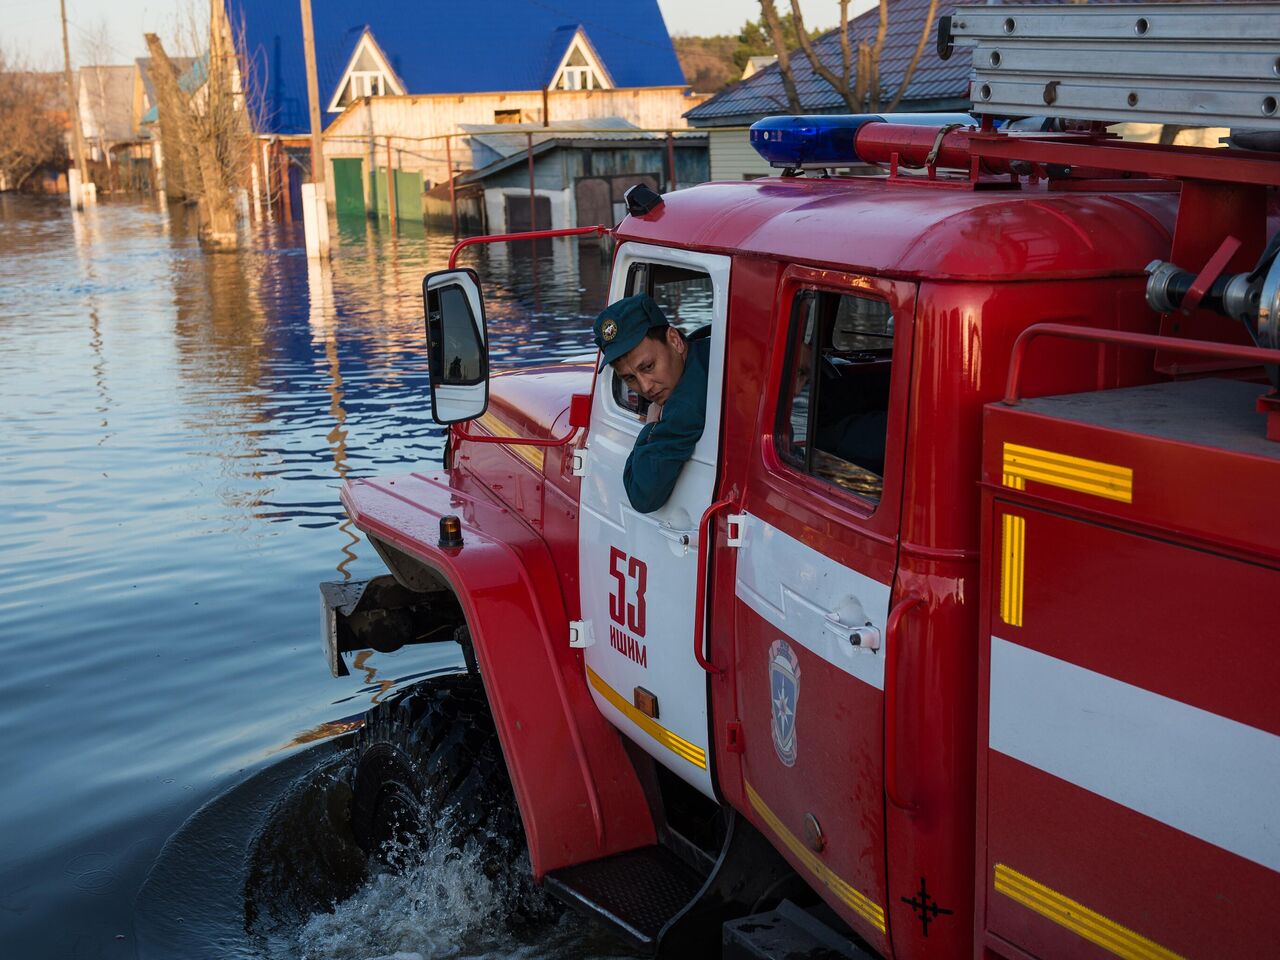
(934, 80)
(507, 139)
(495, 147)
(443, 47)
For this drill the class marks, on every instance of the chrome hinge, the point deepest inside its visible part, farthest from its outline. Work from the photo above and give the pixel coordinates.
(580, 634)
(737, 528)
(580, 463)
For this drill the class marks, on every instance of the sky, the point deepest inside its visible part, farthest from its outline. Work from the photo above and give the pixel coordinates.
(31, 28)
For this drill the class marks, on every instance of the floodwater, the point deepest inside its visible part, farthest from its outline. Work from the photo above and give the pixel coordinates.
(176, 426)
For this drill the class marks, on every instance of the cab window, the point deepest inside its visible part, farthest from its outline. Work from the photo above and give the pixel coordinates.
(834, 416)
(686, 298)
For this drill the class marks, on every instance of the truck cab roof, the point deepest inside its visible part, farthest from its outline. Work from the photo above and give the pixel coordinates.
(922, 230)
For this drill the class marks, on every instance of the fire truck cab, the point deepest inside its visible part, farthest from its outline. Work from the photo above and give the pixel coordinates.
(956, 635)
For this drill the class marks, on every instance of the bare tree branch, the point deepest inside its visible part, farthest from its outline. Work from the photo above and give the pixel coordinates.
(816, 63)
(915, 57)
(846, 54)
(873, 81)
(774, 23)
(95, 52)
(173, 112)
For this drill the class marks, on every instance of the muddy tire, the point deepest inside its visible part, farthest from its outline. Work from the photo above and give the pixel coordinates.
(429, 765)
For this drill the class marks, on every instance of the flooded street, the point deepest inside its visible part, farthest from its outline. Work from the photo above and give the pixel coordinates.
(176, 428)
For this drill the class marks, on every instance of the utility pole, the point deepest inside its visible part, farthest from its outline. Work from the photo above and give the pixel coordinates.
(313, 94)
(76, 183)
(315, 214)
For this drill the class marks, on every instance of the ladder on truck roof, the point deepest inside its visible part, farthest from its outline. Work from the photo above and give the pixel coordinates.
(1194, 64)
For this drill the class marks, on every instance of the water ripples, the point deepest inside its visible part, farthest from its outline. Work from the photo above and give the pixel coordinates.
(177, 427)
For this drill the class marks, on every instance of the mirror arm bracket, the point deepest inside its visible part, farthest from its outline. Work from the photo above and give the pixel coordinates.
(579, 417)
(462, 433)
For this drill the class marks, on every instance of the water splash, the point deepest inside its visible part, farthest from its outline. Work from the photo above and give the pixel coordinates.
(440, 901)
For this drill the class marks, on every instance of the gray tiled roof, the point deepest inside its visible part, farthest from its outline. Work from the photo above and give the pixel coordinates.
(933, 80)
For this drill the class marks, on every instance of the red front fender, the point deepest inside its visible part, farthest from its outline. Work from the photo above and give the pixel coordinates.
(579, 795)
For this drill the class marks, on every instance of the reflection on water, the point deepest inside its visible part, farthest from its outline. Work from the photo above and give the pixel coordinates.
(176, 429)
(361, 662)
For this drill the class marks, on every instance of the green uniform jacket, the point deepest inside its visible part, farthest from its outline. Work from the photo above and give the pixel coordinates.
(662, 448)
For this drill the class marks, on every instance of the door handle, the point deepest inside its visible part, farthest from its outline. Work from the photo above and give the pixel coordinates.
(892, 633)
(864, 637)
(676, 535)
(700, 603)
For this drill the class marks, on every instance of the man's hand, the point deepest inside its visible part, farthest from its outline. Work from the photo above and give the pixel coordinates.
(654, 413)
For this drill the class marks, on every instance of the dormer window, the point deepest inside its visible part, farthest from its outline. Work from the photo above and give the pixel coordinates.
(368, 74)
(580, 68)
(367, 83)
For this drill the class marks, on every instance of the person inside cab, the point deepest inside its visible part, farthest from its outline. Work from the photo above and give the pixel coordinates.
(669, 370)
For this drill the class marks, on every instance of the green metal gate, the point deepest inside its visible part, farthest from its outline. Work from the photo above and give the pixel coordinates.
(408, 187)
(409, 195)
(348, 187)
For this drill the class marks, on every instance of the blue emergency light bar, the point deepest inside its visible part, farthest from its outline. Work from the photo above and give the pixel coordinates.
(827, 140)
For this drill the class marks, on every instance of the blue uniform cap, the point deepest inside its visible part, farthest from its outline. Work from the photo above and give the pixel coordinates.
(622, 325)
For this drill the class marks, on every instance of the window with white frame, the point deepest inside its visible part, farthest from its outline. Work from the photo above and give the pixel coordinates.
(367, 84)
(368, 74)
(580, 69)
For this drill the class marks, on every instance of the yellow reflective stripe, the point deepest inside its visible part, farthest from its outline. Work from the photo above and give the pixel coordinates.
(534, 456)
(1078, 918)
(864, 907)
(1012, 567)
(676, 744)
(1071, 473)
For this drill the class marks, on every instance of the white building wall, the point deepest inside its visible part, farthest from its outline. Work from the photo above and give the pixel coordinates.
(409, 120)
(733, 158)
(563, 212)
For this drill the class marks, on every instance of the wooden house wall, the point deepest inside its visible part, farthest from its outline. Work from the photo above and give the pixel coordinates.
(409, 120)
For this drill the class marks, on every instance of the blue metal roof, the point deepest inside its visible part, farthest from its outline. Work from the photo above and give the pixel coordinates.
(479, 46)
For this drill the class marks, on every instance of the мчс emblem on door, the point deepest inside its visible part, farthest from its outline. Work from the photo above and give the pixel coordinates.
(784, 691)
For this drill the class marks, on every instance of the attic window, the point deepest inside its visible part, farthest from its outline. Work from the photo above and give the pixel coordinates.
(580, 69)
(368, 74)
(506, 116)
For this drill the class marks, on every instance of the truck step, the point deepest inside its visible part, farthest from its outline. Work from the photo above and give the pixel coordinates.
(637, 893)
(787, 933)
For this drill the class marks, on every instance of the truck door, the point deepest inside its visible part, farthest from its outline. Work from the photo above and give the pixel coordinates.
(812, 583)
(637, 572)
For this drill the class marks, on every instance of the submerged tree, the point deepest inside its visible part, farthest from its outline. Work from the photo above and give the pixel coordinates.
(32, 122)
(206, 127)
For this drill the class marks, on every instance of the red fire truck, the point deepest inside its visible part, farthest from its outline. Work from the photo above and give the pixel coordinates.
(958, 636)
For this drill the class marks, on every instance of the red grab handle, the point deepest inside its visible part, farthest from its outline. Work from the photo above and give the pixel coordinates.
(893, 644)
(700, 613)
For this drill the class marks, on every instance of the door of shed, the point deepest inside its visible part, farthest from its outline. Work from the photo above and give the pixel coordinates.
(348, 187)
(409, 196)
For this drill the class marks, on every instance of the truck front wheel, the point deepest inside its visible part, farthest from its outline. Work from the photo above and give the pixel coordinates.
(429, 767)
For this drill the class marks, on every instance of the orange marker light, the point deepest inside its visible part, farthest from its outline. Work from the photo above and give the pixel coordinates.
(450, 531)
(645, 702)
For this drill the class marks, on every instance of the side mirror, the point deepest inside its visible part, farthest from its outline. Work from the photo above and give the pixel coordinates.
(457, 351)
